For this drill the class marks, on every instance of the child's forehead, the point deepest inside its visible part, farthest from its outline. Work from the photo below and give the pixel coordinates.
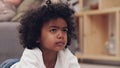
(56, 22)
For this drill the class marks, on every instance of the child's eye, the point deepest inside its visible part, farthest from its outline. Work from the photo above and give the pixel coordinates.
(65, 30)
(53, 30)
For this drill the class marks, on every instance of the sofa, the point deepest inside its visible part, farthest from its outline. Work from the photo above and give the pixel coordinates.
(9, 41)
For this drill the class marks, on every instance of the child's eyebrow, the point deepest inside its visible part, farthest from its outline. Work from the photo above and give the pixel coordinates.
(58, 27)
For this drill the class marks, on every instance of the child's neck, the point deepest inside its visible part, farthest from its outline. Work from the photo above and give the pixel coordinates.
(49, 58)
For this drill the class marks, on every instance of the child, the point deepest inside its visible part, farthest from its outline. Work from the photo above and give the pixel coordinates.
(45, 33)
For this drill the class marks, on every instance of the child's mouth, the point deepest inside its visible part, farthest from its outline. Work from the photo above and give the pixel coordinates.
(60, 43)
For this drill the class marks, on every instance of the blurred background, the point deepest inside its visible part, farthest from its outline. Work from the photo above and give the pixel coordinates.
(97, 25)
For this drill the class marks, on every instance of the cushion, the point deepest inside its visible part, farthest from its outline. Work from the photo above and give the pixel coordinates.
(9, 41)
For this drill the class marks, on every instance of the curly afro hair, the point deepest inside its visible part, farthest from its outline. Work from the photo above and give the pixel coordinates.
(32, 22)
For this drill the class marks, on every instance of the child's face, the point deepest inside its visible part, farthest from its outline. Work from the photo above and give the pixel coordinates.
(53, 35)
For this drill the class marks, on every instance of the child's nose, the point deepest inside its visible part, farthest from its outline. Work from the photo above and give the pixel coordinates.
(60, 35)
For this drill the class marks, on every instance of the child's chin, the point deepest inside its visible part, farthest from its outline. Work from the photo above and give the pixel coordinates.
(58, 49)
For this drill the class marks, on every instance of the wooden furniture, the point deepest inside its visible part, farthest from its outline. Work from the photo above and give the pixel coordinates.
(102, 4)
(96, 27)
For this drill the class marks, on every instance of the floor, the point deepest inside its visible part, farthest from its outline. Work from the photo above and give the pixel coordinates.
(83, 65)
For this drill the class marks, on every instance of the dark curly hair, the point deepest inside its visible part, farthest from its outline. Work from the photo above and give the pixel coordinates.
(32, 22)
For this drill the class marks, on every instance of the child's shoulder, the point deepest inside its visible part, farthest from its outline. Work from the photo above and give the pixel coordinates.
(66, 56)
(66, 52)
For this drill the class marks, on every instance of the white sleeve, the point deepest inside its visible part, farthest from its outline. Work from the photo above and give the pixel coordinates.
(30, 59)
(72, 60)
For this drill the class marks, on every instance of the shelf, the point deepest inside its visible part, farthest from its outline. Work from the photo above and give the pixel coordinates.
(94, 12)
(86, 5)
(96, 28)
(105, 4)
(98, 57)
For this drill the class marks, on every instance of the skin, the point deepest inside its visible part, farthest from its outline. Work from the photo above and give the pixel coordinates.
(53, 39)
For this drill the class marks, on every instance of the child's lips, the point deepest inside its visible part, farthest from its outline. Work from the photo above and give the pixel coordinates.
(61, 43)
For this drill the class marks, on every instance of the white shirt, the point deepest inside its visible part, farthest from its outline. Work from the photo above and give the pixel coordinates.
(33, 59)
